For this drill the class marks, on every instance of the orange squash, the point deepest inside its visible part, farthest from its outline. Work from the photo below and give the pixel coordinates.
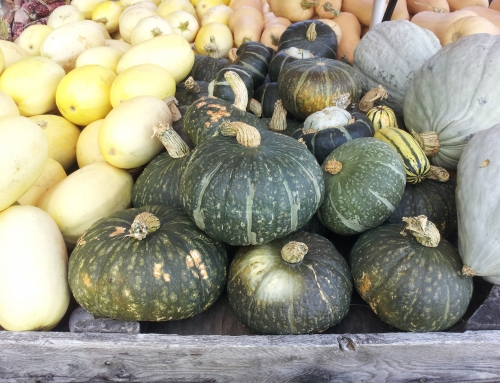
(271, 35)
(294, 10)
(416, 6)
(244, 13)
(247, 29)
(487, 13)
(495, 5)
(469, 25)
(362, 9)
(438, 23)
(461, 4)
(351, 35)
(328, 9)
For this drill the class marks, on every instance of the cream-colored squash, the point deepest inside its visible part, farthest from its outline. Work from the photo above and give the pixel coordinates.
(150, 27)
(172, 52)
(219, 14)
(131, 16)
(52, 173)
(7, 105)
(31, 38)
(87, 147)
(23, 153)
(169, 6)
(86, 195)
(202, 6)
(66, 43)
(140, 80)
(62, 137)
(128, 3)
(108, 14)
(11, 52)
(105, 56)
(2, 61)
(214, 33)
(118, 44)
(32, 84)
(86, 6)
(34, 291)
(126, 135)
(64, 14)
(184, 24)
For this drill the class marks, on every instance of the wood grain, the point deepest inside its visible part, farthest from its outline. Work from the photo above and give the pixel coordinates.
(390, 357)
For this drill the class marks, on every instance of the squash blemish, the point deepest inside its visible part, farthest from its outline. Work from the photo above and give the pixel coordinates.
(485, 163)
(365, 286)
(157, 270)
(118, 230)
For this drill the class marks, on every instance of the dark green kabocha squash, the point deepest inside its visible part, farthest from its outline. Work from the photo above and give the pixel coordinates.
(267, 95)
(310, 85)
(158, 184)
(294, 285)
(147, 264)
(223, 90)
(249, 186)
(311, 35)
(205, 68)
(204, 116)
(279, 122)
(434, 199)
(255, 57)
(364, 182)
(284, 57)
(188, 91)
(411, 280)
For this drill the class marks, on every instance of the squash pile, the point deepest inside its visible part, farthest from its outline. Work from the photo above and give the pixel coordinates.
(142, 140)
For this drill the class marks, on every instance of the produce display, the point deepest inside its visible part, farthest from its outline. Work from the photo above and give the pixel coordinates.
(156, 155)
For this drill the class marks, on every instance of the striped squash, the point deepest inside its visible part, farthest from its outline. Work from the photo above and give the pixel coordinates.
(255, 57)
(382, 117)
(361, 193)
(417, 165)
(250, 192)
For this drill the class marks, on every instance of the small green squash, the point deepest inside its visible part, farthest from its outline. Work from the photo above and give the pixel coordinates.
(411, 280)
(147, 264)
(253, 188)
(255, 57)
(294, 285)
(364, 182)
(311, 35)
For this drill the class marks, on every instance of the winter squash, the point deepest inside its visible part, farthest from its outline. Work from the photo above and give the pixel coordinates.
(87, 146)
(64, 14)
(438, 6)
(293, 10)
(271, 35)
(411, 279)
(32, 37)
(11, 53)
(328, 9)
(107, 13)
(460, 4)
(351, 36)
(255, 57)
(311, 35)
(247, 29)
(222, 89)
(335, 28)
(132, 15)
(250, 189)
(158, 183)
(472, 100)
(184, 24)
(434, 199)
(477, 205)
(361, 193)
(280, 123)
(104, 56)
(219, 13)
(188, 91)
(34, 291)
(411, 47)
(7, 106)
(148, 27)
(214, 37)
(362, 9)
(205, 68)
(311, 289)
(488, 13)
(467, 26)
(310, 85)
(267, 94)
(382, 117)
(283, 57)
(146, 264)
(170, 6)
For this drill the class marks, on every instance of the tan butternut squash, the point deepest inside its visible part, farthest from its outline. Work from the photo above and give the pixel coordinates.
(250, 3)
(247, 29)
(328, 9)
(335, 27)
(243, 13)
(487, 13)
(277, 20)
(416, 6)
(271, 35)
(495, 5)
(362, 9)
(461, 4)
(438, 23)
(469, 25)
(294, 10)
(351, 35)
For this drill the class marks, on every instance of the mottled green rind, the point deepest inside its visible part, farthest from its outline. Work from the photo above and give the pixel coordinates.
(271, 296)
(367, 189)
(410, 286)
(114, 275)
(158, 184)
(251, 195)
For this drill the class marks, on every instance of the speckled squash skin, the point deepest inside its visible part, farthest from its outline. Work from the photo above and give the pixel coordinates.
(366, 190)
(174, 273)
(408, 285)
(251, 195)
(271, 296)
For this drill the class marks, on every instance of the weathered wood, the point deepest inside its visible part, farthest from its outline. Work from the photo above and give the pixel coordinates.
(390, 357)
(487, 316)
(106, 325)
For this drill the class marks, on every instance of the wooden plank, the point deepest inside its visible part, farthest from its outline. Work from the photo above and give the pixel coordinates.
(390, 357)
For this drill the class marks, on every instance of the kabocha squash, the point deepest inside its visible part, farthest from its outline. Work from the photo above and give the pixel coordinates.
(250, 189)
(310, 85)
(267, 94)
(411, 280)
(279, 122)
(311, 35)
(477, 205)
(360, 192)
(255, 57)
(417, 165)
(310, 291)
(223, 90)
(188, 91)
(382, 117)
(434, 199)
(464, 107)
(158, 183)
(147, 264)
(390, 54)
(283, 57)
(205, 68)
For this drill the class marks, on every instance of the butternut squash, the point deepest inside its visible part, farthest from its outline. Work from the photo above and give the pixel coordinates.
(244, 13)
(335, 27)
(467, 26)
(250, 3)
(328, 9)
(487, 13)
(362, 9)
(495, 5)
(277, 20)
(461, 4)
(294, 10)
(351, 35)
(416, 6)
(271, 35)
(247, 29)
(438, 23)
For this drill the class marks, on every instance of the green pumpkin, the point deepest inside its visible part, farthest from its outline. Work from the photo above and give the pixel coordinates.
(310, 85)
(188, 91)
(253, 188)
(255, 57)
(294, 285)
(364, 182)
(222, 89)
(147, 264)
(284, 57)
(407, 283)
(205, 68)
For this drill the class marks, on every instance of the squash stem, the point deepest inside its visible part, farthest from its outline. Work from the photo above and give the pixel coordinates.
(191, 86)
(274, 39)
(143, 224)
(368, 100)
(311, 33)
(468, 272)
(278, 119)
(308, 4)
(433, 9)
(212, 49)
(424, 231)
(183, 27)
(328, 7)
(255, 107)
(428, 141)
(239, 89)
(245, 134)
(232, 55)
(172, 105)
(294, 252)
(438, 173)
(175, 145)
(333, 166)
